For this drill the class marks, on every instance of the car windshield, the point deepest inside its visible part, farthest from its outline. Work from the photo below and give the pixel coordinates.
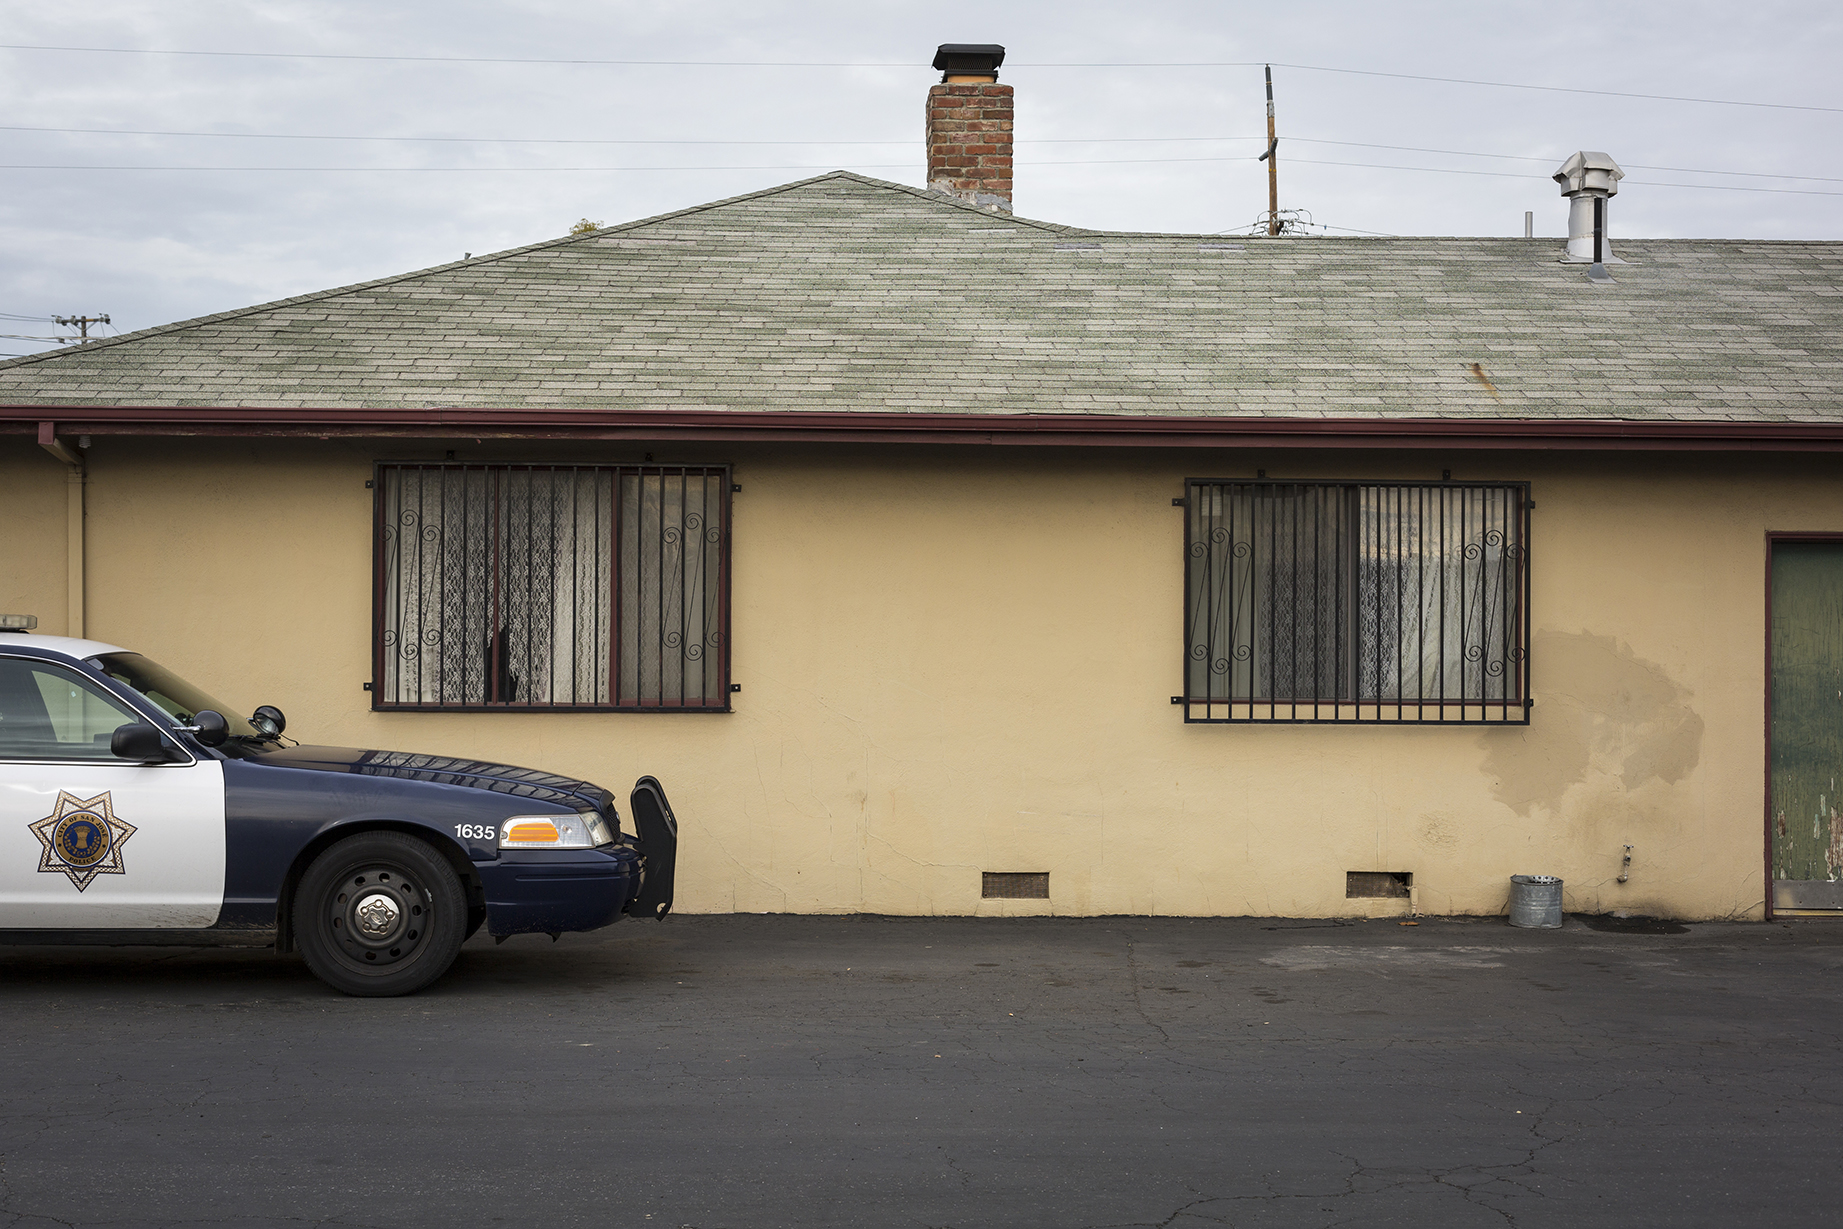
(177, 697)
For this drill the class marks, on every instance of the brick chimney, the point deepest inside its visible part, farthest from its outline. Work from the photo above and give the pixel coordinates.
(969, 127)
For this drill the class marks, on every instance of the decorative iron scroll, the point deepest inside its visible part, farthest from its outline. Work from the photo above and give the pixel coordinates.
(1356, 602)
(528, 586)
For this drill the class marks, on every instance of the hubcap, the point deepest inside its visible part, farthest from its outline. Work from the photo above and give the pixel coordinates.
(378, 916)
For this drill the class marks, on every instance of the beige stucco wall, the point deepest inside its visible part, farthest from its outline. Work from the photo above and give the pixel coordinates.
(961, 660)
(33, 505)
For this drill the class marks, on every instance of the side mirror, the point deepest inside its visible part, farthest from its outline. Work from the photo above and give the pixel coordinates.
(209, 727)
(138, 741)
(268, 721)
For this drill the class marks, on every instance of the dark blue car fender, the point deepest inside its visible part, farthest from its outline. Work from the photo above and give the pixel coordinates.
(279, 819)
(280, 911)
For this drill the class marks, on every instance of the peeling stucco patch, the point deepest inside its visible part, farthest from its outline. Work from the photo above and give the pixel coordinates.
(1438, 830)
(1599, 710)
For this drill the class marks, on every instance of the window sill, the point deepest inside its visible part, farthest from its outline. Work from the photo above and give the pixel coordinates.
(552, 708)
(1336, 712)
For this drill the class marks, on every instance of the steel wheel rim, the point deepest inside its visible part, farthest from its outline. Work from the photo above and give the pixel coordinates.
(378, 916)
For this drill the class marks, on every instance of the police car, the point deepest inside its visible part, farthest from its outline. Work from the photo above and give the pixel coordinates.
(135, 809)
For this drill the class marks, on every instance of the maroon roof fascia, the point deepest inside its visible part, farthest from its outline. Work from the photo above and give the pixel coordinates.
(841, 426)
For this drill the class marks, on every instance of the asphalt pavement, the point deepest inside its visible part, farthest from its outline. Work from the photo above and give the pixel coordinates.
(746, 1072)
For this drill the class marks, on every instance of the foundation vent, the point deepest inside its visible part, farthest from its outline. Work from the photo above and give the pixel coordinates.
(1014, 885)
(1368, 885)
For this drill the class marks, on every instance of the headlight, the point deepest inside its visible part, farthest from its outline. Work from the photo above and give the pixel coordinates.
(598, 828)
(581, 831)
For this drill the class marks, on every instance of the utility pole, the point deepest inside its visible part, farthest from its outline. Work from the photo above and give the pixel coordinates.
(1273, 165)
(83, 323)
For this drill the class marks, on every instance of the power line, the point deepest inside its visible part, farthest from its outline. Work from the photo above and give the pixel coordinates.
(1438, 170)
(476, 59)
(308, 136)
(1313, 68)
(1722, 187)
(1416, 149)
(1690, 170)
(1644, 183)
(1380, 234)
(1639, 166)
(1558, 89)
(910, 165)
(80, 323)
(312, 136)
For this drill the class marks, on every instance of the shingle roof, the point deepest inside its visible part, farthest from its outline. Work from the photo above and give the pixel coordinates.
(846, 293)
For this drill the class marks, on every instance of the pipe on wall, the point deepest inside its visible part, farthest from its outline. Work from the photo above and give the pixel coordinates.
(75, 512)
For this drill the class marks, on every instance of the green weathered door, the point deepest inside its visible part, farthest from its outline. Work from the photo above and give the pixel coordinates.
(1807, 725)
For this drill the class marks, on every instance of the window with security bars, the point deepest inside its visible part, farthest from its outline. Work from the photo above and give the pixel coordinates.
(1356, 602)
(552, 586)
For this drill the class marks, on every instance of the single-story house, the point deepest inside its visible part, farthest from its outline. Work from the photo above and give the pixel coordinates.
(939, 560)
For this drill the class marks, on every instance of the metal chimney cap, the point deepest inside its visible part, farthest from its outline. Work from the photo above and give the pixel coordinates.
(971, 59)
(1589, 171)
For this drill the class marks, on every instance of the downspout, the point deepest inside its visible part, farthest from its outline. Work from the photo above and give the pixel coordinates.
(74, 513)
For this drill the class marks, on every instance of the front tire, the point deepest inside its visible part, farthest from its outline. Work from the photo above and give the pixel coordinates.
(379, 914)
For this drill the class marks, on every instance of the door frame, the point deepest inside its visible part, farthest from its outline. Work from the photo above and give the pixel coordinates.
(1773, 538)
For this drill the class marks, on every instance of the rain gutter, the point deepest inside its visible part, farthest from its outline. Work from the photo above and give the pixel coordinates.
(840, 426)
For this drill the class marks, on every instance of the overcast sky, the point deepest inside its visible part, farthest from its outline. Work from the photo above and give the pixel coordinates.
(1101, 142)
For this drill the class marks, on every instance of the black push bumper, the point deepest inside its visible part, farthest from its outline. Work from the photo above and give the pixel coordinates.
(658, 846)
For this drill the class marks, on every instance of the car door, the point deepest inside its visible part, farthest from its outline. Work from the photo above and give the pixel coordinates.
(88, 840)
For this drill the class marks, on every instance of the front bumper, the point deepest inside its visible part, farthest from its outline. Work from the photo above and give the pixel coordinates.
(552, 890)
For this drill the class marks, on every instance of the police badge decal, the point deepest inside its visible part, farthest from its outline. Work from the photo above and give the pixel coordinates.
(82, 839)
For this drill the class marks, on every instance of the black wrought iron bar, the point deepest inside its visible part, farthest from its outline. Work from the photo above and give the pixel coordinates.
(1437, 570)
(528, 585)
(1506, 563)
(663, 589)
(1237, 594)
(1198, 601)
(1420, 604)
(694, 602)
(684, 579)
(545, 561)
(617, 584)
(445, 689)
(576, 588)
(1398, 572)
(394, 562)
(1229, 523)
(1440, 555)
(1317, 506)
(1465, 593)
(1356, 499)
(1201, 579)
(708, 588)
(431, 660)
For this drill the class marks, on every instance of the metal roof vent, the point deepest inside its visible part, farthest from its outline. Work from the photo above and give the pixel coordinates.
(1588, 179)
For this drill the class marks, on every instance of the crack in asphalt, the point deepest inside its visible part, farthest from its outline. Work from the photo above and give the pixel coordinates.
(1132, 973)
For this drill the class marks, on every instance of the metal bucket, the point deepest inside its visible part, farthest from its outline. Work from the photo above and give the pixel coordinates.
(1535, 901)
